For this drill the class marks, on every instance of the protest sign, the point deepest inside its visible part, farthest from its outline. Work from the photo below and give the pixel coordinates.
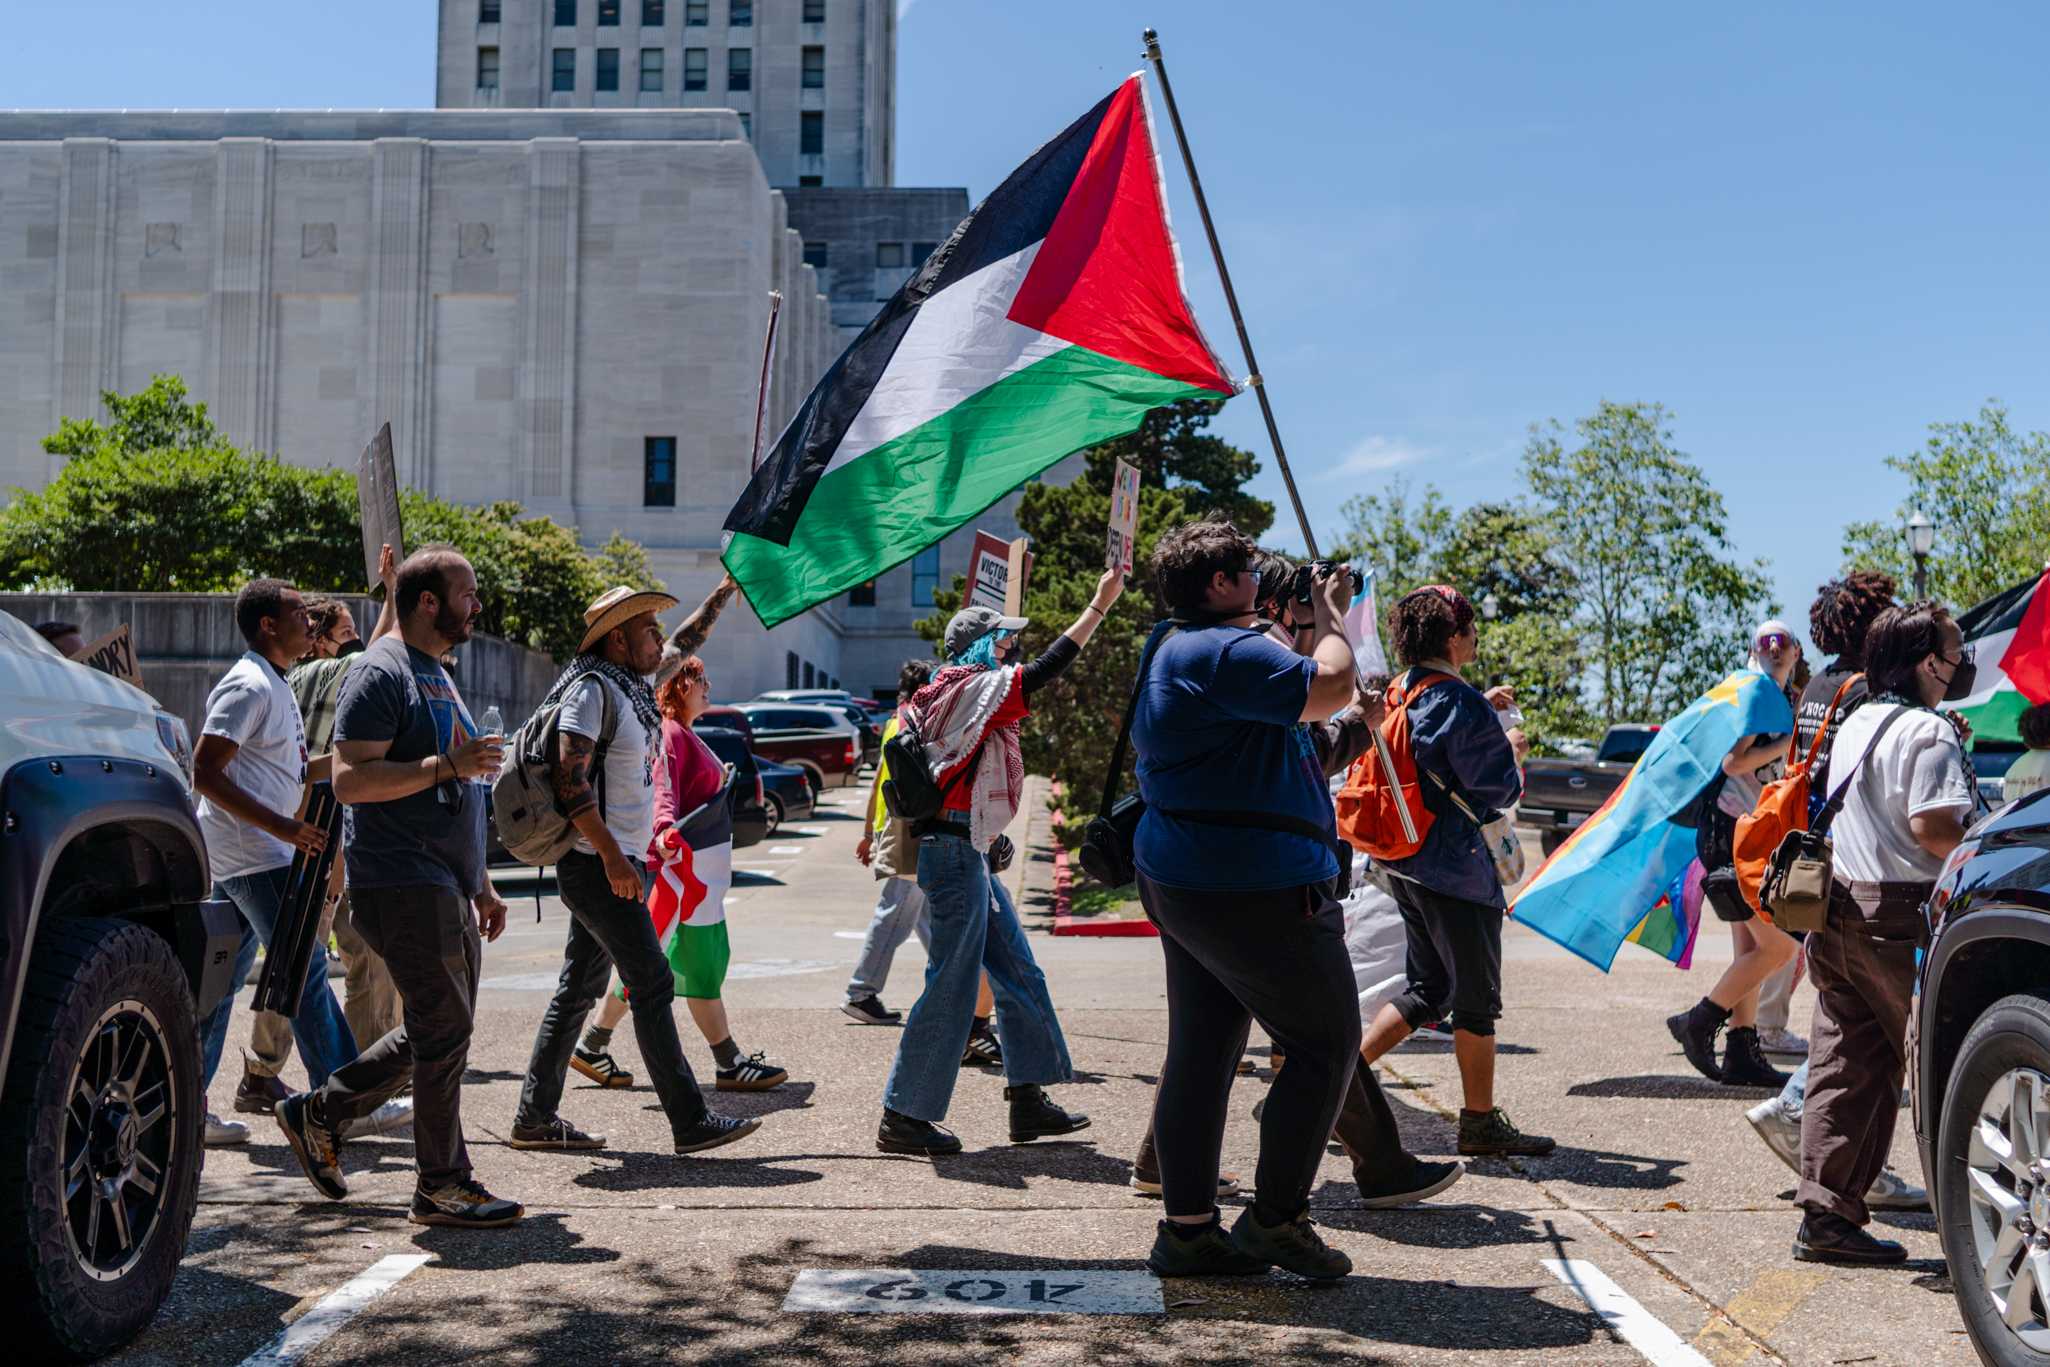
(114, 654)
(377, 501)
(1124, 519)
(990, 576)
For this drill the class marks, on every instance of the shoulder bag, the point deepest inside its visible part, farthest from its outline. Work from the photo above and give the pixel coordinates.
(1798, 879)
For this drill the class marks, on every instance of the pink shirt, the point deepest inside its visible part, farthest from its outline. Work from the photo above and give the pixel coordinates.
(685, 781)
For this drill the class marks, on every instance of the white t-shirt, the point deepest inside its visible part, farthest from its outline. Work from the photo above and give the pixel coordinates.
(628, 794)
(253, 706)
(1918, 767)
(2026, 775)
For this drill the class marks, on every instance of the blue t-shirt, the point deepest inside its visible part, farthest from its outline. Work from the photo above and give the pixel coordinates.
(1218, 727)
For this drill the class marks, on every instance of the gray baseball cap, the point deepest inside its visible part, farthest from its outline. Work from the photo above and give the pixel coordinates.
(970, 625)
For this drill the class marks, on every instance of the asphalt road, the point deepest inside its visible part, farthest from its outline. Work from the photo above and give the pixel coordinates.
(1660, 1201)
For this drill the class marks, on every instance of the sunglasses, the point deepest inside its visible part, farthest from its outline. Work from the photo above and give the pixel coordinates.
(1775, 641)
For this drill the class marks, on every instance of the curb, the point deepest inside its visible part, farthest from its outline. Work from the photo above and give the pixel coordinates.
(1064, 921)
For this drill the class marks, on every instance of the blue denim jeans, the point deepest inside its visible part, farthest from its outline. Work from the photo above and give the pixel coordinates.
(974, 930)
(319, 1028)
(900, 911)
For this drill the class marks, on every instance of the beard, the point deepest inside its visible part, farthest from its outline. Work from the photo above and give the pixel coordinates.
(453, 624)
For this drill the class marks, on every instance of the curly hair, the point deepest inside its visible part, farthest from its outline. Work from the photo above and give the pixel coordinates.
(915, 675)
(1424, 621)
(322, 612)
(1185, 560)
(1844, 610)
(669, 697)
(1897, 642)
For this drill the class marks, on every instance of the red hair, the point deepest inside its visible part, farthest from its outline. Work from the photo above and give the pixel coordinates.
(669, 697)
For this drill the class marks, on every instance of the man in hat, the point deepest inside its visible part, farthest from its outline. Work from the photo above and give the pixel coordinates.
(610, 726)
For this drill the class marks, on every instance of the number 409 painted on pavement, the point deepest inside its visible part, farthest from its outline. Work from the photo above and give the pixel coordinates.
(972, 1289)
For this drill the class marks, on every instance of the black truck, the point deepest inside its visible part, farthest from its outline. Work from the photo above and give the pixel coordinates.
(1559, 794)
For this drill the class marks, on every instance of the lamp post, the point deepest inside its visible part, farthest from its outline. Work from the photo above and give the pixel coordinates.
(1921, 540)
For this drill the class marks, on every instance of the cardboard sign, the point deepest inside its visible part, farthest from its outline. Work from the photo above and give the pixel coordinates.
(1124, 519)
(997, 571)
(114, 654)
(377, 502)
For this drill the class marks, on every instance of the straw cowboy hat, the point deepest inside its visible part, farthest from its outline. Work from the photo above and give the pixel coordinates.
(616, 607)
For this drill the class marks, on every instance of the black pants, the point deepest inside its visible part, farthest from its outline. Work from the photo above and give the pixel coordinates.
(607, 929)
(1455, 959)
(427, 937)
(1276, 957)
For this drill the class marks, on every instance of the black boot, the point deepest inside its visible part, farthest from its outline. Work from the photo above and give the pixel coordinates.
(900, 1133)
(1744, 1062)
(1696, 1029)
(1826, 1238)
(1034, 1116)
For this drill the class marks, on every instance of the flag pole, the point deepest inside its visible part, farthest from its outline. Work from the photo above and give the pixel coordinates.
(754, 455)
(1253, 378)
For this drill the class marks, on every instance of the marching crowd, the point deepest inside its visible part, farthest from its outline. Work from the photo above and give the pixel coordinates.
(1247, 705)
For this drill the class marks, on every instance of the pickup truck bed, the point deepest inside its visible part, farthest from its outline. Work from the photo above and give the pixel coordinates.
(1560, 794)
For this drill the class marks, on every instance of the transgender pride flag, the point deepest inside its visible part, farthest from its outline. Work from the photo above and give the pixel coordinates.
(1363, 625)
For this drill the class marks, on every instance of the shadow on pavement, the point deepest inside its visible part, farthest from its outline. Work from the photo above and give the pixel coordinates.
(1010, 1165)
(668, 1172)
(540, 1238)
(1431, 1226)
(1666, 1087)
(1602, 1168)
(791, 1096)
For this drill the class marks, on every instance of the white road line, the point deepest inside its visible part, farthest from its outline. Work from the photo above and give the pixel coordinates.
(809, 830)
(336, 1309)
(786, 849)
(850, 935)
(1630, 1321)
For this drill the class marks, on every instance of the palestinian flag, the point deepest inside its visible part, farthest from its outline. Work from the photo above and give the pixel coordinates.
(688, 900)
(2010, 637)
(1052, 319)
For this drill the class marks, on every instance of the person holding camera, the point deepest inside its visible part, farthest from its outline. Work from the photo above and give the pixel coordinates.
(968, 717)
(1235, 858)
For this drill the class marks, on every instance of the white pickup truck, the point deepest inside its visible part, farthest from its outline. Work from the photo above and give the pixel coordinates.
(110, 954)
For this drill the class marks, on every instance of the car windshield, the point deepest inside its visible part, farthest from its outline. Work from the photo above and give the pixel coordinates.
(1625, 747)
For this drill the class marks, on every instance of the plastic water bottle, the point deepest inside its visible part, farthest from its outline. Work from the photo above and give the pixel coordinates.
(492, 723)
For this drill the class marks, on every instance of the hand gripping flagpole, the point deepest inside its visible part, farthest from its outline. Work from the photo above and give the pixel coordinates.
(1259, 385)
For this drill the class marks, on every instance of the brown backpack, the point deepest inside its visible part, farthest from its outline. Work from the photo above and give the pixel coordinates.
(1782, 809)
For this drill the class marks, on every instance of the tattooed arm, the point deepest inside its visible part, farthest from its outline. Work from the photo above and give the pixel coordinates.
(689, 637)
(579, 802)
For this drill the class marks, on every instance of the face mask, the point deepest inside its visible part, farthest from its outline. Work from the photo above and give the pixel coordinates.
(1962, 680)
(350, 647)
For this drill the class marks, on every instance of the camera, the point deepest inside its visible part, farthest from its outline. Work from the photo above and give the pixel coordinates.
(1299, 587)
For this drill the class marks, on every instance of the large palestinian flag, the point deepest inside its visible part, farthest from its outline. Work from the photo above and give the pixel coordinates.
(2010, 637)
(1052, 319)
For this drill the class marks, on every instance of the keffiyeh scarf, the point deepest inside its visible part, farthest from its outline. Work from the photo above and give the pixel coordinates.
(953, 714)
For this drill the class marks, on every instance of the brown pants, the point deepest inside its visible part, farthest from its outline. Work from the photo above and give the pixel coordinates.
(369, 1001)
(1863, 964)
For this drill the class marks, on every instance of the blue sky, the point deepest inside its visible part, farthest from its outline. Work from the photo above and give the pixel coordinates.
(1809, 233)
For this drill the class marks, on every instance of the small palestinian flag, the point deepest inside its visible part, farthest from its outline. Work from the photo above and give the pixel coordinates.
(1052, 319)
(2010, 637)
(688, 900)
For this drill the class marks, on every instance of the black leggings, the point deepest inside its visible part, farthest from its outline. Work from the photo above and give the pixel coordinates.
(1277, 957)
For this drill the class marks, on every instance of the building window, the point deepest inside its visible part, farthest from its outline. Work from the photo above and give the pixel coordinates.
(742, 14)
(608, 13)
(658, 468)
(693, 68)
(815, 255)
(811, 133)
(608, 69)
(814, 11)
(811, 182)
(814, 77)
(922, 251)
(697, 13)
(651, 13)
(862, 595)
(889, 256)
(565, 13)
(487, 11)
(740, 68)
(747, 125)
(651, 69)
(811, 676)
(487, 68)
(564, 77)
(925, 576)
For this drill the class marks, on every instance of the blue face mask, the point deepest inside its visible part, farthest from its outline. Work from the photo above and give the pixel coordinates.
(983, 654)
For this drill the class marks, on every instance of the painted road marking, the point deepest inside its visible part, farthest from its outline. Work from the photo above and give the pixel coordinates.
(850, 935)
(809, 830)
(1761, 1308)
(1628, 1320)
(759, 968)
(336, 1309)
(1006, 1291)
(786, 849)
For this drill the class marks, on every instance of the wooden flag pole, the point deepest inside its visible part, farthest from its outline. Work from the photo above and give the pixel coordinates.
(754, 455)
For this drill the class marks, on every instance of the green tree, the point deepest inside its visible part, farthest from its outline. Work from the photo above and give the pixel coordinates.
(1662, 609)
(155, 499)
(1402, 539)
(1987, 489)
(1505, 554)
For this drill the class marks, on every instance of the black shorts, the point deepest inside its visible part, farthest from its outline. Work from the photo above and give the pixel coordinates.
(1455, 959)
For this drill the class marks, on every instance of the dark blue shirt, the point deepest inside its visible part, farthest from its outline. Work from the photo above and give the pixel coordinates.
(1455, 733)
(1218, 727)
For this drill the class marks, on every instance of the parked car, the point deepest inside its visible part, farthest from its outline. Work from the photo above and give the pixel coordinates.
(805, 695)
(752, 817)
(1979, 1077)
(787, 790)
(817, 739)
(1559, 794)
(112, 953)
(727, 716)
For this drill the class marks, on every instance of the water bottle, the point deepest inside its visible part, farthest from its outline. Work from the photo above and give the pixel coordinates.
(492, 723)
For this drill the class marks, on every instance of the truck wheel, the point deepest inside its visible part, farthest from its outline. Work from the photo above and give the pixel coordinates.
(1993, 1181)
(814, 779)
(99, 1138)
(775, 812)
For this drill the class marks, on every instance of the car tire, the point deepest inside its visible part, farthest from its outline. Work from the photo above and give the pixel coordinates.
(1550, 841)
(775, 804)
(97, 989)
(2011, 1036)
(814, 780)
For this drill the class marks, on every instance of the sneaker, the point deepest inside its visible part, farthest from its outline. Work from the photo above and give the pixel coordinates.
(1210, 1253)
(465, 1205)
(259, 1094)
(1293, 1246)
(1425, 1181)
(598, 1065)
(1780, 1131)
(317, 1147)
(1744, 1062)
(393, 1117)
(900, 1133)
(1891, 1191)
(1034, 1115)
(554, 1136)
(1148, 1183)
(871, 1011)
(713, 1131)
(982, 1051)
(222, 1133)
(1435, 1032)
(1825, 1238)
(1782, 1041)
(1695, 1031)
(752, 1074)
(1493, 1135)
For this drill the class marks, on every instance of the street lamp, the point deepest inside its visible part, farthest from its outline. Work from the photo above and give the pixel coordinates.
(1921, 541)
(1490, 605)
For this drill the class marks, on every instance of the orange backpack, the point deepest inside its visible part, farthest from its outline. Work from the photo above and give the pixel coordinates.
(1782, 809)
(1385, 818)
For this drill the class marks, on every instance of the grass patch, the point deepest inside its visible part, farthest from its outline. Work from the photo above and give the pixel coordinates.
(1095, 900)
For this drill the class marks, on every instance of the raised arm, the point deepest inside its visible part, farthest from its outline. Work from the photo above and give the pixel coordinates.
(1332, 688)
(388, 575)
(689, 636)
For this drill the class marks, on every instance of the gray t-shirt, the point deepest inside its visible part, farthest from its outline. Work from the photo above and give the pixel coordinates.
(627, 793)
(433, 837)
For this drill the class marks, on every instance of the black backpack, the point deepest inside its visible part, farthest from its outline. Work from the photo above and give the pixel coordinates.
(910, 792)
